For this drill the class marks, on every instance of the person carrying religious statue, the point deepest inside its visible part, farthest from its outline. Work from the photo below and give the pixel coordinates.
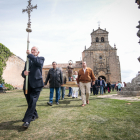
(75, 89)
(35, 84)
(85, 75)
(70, 72)
(55, 79)
(62, 89)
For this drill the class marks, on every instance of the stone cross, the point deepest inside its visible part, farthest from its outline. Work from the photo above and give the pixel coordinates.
(99, 23)
(29, 9)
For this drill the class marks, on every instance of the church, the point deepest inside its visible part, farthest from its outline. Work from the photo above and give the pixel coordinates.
(102, 58)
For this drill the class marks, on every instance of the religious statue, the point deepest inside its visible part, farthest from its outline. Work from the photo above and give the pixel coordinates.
(70, 69)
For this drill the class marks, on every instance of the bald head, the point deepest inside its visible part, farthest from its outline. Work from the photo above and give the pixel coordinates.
(34, 51)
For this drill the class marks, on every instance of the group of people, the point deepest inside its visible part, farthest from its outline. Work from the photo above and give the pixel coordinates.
(84, 79)
(103, 86)
(119, 86)
(56, 79)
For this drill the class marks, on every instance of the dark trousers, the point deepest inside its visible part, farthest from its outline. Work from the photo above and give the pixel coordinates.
(70, 89)
(117, 88)
(57, 94)
(91, 89)
(94, 91)
(32, 98)
(112, 88)
(104, 89)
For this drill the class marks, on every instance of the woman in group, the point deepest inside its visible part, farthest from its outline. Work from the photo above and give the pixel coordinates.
(75, 89)
(108, 86)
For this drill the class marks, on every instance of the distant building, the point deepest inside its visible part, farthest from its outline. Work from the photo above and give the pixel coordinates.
(102, 58)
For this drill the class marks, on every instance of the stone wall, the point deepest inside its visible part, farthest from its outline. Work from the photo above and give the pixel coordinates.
(12, 71)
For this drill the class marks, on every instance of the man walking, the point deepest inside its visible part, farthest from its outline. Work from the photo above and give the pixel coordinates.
(101, 84)
(55, 79)
(35, 84)
(85, 75)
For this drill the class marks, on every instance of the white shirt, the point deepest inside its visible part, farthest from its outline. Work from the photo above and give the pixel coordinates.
(84, 70)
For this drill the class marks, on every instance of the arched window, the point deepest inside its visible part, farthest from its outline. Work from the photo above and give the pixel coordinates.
(102, 39)
(97, 39)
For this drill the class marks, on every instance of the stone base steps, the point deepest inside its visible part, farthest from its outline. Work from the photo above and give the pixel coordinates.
(129, 93)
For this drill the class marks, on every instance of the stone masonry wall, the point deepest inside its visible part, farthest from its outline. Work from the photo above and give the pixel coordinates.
(12, 71)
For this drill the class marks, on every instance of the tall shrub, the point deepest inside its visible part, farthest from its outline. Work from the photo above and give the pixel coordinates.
(5, 53)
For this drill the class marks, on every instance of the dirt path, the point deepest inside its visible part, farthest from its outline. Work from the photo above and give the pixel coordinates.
(115, 96)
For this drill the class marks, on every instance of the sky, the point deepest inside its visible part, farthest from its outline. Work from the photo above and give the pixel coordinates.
(61, 29)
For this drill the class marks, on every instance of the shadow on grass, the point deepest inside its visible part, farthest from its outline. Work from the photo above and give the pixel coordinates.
(43, 100)
(66, 102)
(67, 106)
(54, 103)
(10, 126)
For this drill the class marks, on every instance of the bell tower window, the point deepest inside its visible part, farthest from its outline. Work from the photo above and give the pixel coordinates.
(97, 39)
(102, 39)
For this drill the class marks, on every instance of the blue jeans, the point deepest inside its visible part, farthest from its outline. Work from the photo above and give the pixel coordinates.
(51, 94)
(70, 89)
(61, 89)
(101, 89)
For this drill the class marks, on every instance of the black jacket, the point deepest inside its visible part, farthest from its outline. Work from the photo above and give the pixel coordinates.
(96, 84)
(35, 68)
(109, 85)
(103, 83)
(55, 78)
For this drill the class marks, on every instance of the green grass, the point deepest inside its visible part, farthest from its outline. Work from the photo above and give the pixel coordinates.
(102, 119)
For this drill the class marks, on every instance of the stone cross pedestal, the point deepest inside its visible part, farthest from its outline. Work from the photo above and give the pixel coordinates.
(133, 88)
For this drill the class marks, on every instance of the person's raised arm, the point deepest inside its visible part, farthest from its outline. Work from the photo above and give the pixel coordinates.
(38, 61)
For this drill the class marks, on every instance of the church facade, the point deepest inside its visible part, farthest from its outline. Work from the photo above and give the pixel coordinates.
(102, 58)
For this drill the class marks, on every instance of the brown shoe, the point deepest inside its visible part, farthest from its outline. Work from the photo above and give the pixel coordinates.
(83, 105)
(87, 101)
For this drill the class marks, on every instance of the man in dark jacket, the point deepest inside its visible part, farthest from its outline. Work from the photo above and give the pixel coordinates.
(101, 84)
(55, 79)
(35, 84)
